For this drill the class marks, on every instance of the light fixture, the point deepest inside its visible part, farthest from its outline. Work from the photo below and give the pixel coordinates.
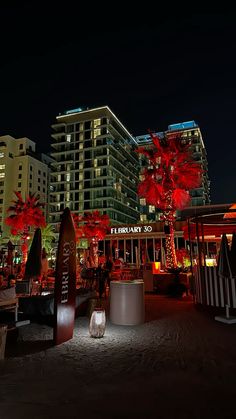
(97, 323)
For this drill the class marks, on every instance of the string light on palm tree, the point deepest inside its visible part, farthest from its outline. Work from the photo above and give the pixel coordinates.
(171, 173)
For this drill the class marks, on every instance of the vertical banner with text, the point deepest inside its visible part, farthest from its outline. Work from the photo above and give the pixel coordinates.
(65, 281)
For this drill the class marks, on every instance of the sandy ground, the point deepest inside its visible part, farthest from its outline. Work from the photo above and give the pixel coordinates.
(180, 363)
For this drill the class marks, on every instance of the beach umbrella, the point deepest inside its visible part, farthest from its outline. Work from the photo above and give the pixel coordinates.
(224, 272)
(233, 255)
(34, 260)
(10, 248)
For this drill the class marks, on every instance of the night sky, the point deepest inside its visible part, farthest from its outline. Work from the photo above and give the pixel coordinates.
(152, 69)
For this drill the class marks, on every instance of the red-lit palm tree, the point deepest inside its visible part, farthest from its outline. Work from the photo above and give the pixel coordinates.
(171, 173)
(25, 214)
(94, 227)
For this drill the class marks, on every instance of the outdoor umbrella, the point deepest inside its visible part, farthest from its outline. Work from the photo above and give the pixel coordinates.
(224, 272)
(33, 264)
(233, 255)
(10, 248)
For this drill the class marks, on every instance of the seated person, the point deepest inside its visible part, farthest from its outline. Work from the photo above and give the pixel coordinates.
(9, 292)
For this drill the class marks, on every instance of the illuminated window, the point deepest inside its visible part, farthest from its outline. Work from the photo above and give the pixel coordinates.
(151, 208)
(80, 156)
(81, 137)
(67, 196)
(96, 132)
(80, 185)
(2, 175)
(143, 218)
(2, 166)
(96, 122)
(81, 146)
(95, 163)
(141, 177)
(81, 166)
(81, 176)
(1, 155)
(58, 178)
(67, 177)
(97, 172)
(68, 138)
(142, 201)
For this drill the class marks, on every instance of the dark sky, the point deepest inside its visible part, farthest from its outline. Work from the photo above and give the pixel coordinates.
(152, 68)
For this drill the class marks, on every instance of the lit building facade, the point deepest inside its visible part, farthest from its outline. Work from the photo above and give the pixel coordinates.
(23, 171)
(95, 167)
(199, 196)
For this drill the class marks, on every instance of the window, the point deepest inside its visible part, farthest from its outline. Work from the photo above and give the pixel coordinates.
(21, 147)
(39, 179)
(1, 155)
(2, 175)
(96, 122)
(142, 201)
(19, 176)
(39, 172)
(70, 128)
(31, 168)
(97, 172)
(151, 208)
(19, 184)
(38, 188)
(44, 182)
(2, 166)
(31, 176)
(68, 138)
(30, 185)
(143, 218)
(43, 189)
(96, 132)
(87, 125)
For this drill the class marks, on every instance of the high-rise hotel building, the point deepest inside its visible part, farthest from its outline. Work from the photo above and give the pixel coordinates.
(199, 196)
(22, 170)
(95, 167)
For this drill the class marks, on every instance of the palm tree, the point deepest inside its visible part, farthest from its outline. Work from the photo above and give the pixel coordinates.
(48, 237)
(94, 227)
(171, 173)
(23, 215)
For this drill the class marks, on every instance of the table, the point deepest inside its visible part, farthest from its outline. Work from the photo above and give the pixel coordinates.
(127, 302)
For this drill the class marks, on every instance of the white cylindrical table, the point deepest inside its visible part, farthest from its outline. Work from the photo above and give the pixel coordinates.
(127, 302)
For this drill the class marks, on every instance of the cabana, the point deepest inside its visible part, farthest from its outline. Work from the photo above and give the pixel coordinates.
(205, 227)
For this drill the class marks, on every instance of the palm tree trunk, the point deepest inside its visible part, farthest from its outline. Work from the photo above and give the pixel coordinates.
(171, 260)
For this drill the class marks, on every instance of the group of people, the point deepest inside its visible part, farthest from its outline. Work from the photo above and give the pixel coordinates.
(96, 277)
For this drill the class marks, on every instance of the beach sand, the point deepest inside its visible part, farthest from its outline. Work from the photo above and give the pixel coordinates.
(180, 363)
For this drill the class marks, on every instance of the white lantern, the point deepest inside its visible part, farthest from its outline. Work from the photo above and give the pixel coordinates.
(97, 323)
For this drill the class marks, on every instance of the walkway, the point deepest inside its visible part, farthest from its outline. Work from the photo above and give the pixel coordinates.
(180, 364)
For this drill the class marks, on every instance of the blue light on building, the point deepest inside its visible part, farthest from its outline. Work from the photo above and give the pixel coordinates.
(182, 125)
